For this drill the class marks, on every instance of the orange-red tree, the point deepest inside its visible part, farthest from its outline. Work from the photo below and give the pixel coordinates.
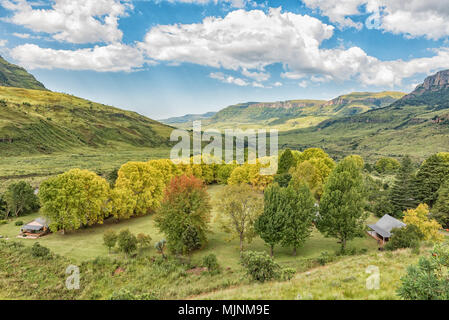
(184, 214)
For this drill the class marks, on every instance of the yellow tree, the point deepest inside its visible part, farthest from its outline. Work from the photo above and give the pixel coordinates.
(74, 199)
(419, 217)
(167, 168)
(138, 190)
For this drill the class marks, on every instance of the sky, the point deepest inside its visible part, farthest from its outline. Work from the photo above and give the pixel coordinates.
(166, 58)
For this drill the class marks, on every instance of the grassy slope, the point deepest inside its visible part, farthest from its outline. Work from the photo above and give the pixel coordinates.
(15, 76)
(36, 121)
(343, 279)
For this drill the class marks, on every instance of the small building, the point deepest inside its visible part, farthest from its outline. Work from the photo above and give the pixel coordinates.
(381, 231)
(35, 229)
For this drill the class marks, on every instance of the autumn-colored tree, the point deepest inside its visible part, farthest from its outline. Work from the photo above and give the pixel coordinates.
(138, 190)
(419, 217)
(184, 214)
(74, 199)
(224, 171)
(166, 167)
(251, 174)
(239, 206)
(387, 165)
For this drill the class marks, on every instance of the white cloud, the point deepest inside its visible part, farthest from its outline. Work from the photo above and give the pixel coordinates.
(303, 84)
(259, 76)
(75, 21)
(277, 84)
(414, 18)
(113, 57)
(3, 42)
(228, 79)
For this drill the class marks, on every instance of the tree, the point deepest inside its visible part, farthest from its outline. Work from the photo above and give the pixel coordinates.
(286, 161)
(224, 171)
(184, 214)
(419, 217)
(407, 237)
(110, 239)
(387, 165)
(239, 206)
(166, 167)
(20, 199)
(127, 242)
(342, 205)
(402, 196)
(313, 168)
(440, 210)
(430, 177)
(138, 190)
(300, 213)
(270, 224)
(74, 199)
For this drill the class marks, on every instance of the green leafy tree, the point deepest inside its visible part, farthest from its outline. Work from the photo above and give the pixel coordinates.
(127, 242)
(143, 241)
(185, 214)
(110, 239)
(286, 161)
(239, 206)
(74, 199)
(402, 196)
(387, 165)
(407, 237)
(341, 213)
(270, 224)
(299, 214)
(440, 211)
(20, 199)
(430, 177)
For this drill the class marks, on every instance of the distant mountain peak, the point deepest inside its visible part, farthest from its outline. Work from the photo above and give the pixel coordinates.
(436, 82)
(12, 75)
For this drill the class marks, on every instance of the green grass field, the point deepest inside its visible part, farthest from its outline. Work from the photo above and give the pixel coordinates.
(88, 243)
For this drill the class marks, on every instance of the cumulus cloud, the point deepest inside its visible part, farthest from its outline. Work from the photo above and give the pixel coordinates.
(232, 3)
(414, 18)
(74, 21)
(113, 57)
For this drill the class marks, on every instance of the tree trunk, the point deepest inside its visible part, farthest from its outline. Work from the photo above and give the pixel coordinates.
(343, 245)
(294, 251)
(241, 245)
(272, 251)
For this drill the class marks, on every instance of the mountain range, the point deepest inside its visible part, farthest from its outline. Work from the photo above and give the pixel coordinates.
(35, 120)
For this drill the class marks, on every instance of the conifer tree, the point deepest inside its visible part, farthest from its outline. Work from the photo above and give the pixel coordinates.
(402, 196)
(440, 211)
(286, 161)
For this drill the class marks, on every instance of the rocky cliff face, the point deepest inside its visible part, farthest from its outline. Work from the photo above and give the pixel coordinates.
(436, 82)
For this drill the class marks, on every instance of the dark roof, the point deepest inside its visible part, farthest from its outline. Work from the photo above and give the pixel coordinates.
(36, 225)
(385, 225)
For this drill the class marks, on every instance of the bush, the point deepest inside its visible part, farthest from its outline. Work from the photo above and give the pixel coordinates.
(160, 247)
(211, 263)
(127, 242)
(143, 240)
(287, 274)
(407, 237)
(3, 222)
(19, 223)
(110, 239)
(325, 257)
(429, 279)
(39, 251)
(283, 179)
(260, 266)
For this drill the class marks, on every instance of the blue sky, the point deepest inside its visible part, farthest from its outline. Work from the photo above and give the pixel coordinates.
(172, 57)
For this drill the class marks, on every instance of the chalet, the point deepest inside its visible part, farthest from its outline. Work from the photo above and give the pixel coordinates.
(381, 231)
(34, 229)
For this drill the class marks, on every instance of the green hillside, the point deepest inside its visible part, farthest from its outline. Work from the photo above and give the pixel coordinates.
(417, 124)
(37, 121)
(293, 114)
(15, 76)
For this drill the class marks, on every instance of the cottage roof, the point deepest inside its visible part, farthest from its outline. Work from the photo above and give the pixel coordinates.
(385, 225)
(36, 225)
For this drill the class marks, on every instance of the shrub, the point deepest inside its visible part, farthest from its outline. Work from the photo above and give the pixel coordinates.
(260, 266)
(325, 257)
(127, 242)
(407, 237)
(160, 246)
(287, 274)
(429, 279)
(39, 251)
(19, 223)
(211, 263)
(283, 179)
(3, 222)
(110, 239)
(143, 240)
